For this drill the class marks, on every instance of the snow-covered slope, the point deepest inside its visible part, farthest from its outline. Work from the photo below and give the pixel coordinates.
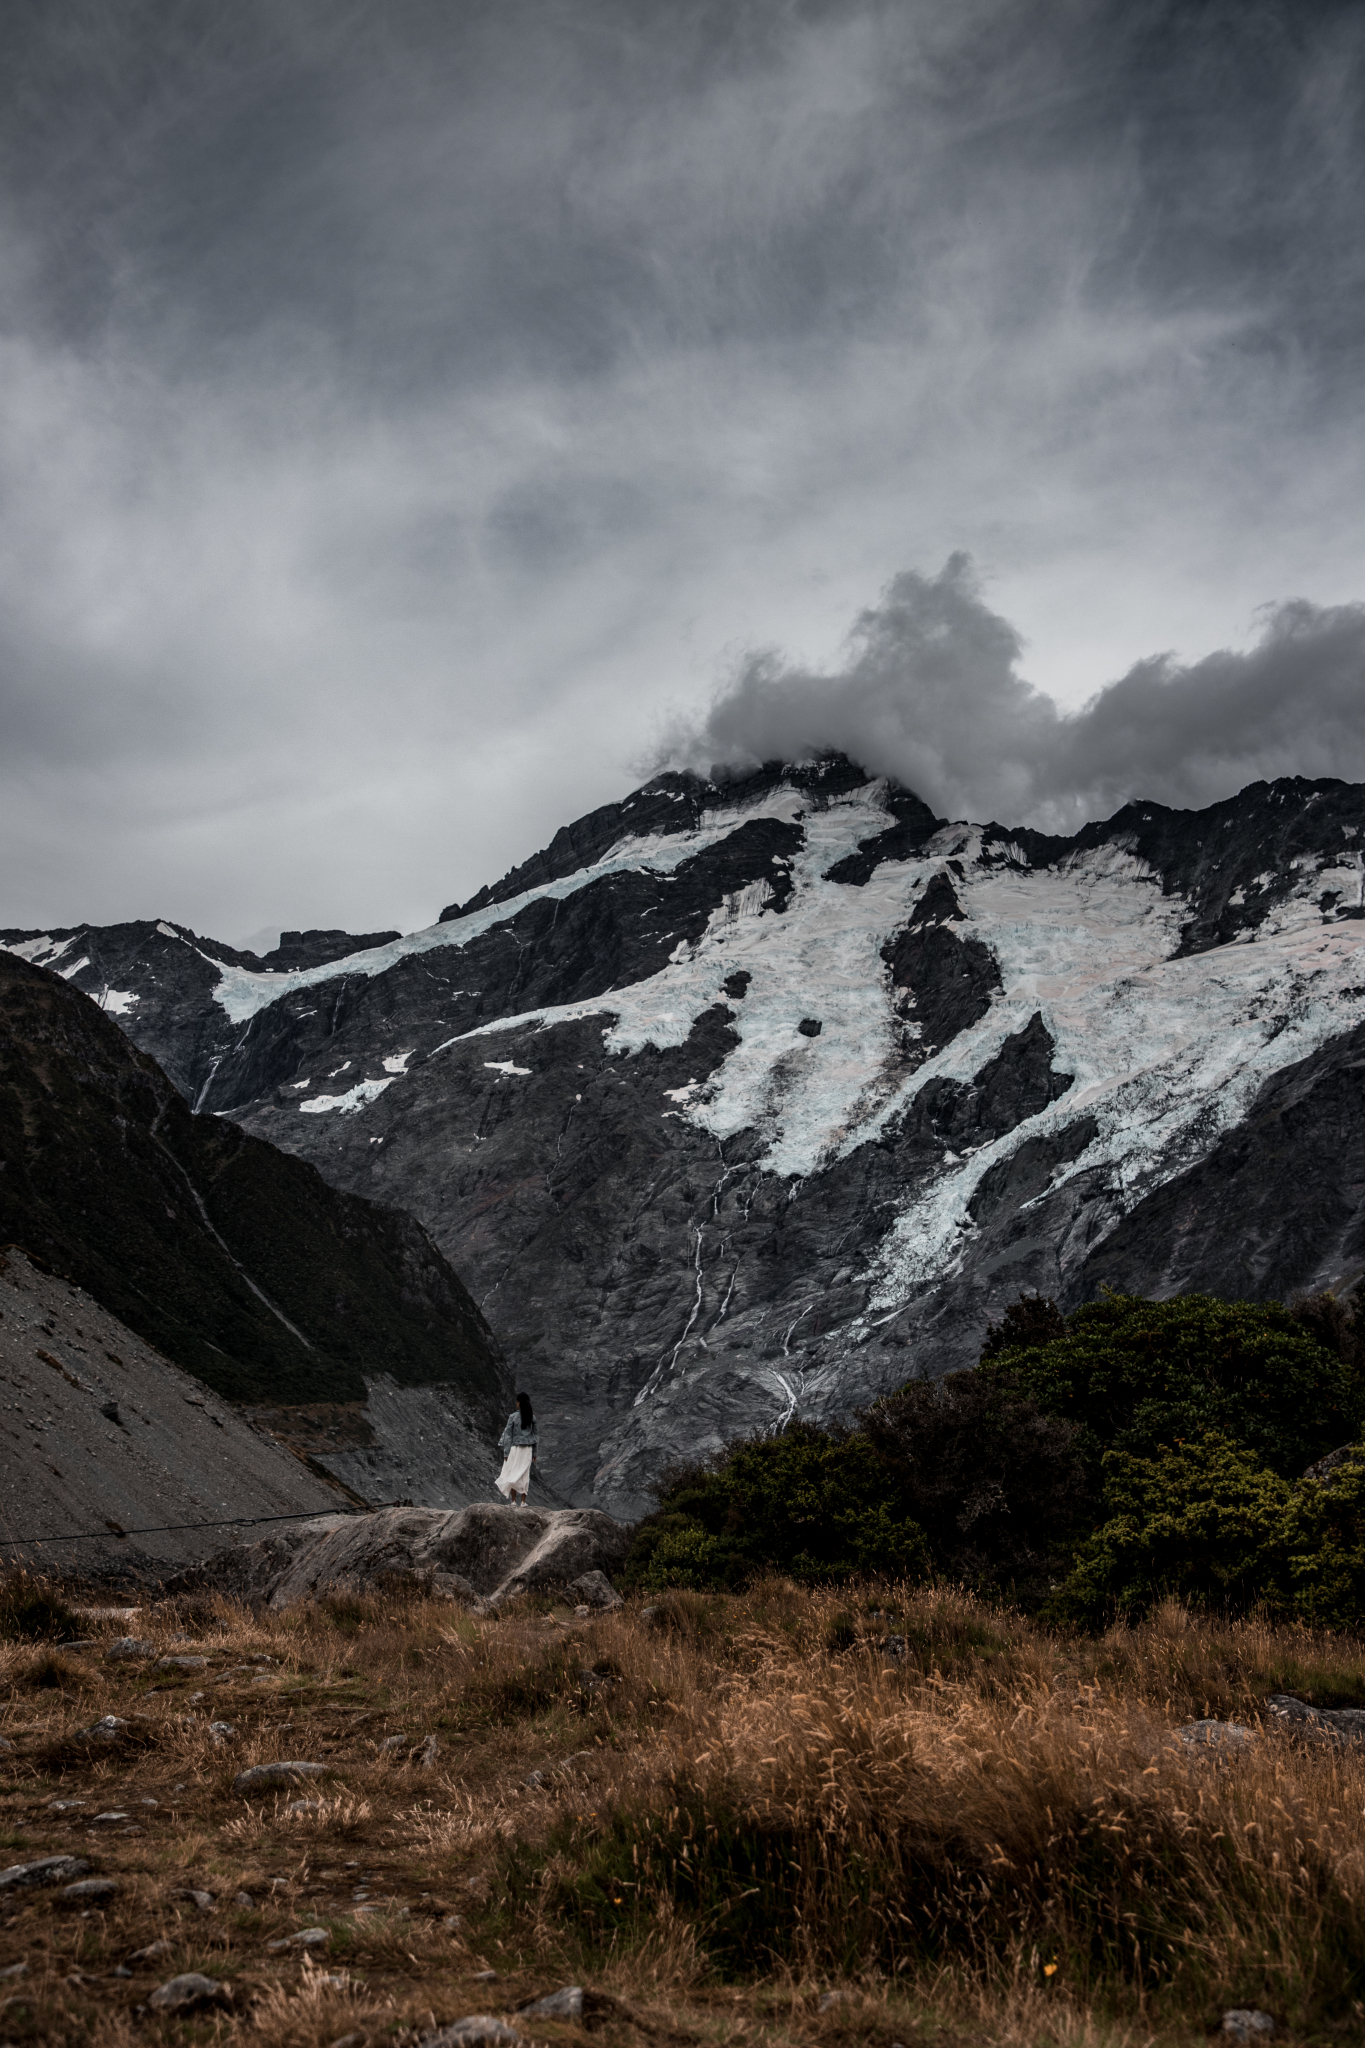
(748, 1099)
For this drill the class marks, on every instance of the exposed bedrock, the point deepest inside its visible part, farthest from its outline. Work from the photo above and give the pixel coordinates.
(479, 1555)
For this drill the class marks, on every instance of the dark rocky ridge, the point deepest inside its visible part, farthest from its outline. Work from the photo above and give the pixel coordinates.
(238, 1262)
(661, 1287)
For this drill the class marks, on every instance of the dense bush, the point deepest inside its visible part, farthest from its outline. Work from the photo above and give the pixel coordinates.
(811, 1503)
(1137, 1375)
(1209, 1522)
(1091, 1465)
(31, 1611)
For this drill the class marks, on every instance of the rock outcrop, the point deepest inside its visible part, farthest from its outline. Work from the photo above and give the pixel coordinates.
(481, 1556)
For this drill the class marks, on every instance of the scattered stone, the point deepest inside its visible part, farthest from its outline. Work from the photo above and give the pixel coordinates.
(109, 1728)
(829, 1999)
(182, 1663)
(5, 1742)
(426, 1756)
(582, 1613)
(99, 1819)
(307, 1806)
(535, 1780)
(261, 1776)
(592, 1682)
(1215, 1735)
(893, 1647)
(307, 1937)
(152, 1953)
(184, 1994)
(15, 1970)
(222, 1731)
(566, 2004)
(77, 1643)
(392, 1742)
(204, 1902)
(349, 2041)
(47, 1870)
(487, 1977)
(478, 2030)
(1341, 1725)
(90, 1891)
(452, 1923)
(149, 1802)
(120, 1970)
(128, 1650)
(1245, 2023)
(245, 1901)
(650, 1613)
(595, 1590)
(65, 1805)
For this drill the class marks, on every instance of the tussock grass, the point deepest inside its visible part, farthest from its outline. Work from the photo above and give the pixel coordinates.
(991, 1838)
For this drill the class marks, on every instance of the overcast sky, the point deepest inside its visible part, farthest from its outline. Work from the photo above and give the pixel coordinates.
(414, 412)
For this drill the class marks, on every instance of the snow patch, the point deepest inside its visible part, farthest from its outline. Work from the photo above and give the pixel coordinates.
(354, 1099)
(506, 1067)
(397, 1062)
(119, 1001)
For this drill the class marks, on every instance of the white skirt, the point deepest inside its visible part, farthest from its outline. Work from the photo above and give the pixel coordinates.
(515, 1475)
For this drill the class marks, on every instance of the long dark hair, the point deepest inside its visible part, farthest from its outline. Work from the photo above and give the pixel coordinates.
(524, 1403)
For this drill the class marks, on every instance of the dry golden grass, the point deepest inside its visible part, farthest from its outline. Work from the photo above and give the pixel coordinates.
(743, 1808)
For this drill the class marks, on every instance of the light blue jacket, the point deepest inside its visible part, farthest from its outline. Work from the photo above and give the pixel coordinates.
(517, 1434)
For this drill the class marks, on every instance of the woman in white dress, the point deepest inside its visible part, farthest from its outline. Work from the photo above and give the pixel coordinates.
(518, 1441)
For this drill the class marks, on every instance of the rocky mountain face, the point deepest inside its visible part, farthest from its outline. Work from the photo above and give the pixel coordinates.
(750, 1099)
(238, 1262)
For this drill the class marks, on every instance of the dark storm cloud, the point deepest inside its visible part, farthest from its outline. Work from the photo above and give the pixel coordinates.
(931, 692)
(401, 403)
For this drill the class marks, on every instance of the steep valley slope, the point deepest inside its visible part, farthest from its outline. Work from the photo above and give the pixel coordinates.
(331, 1316)
(746, 1099)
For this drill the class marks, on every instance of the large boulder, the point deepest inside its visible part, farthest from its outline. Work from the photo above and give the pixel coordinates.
(481, 1555)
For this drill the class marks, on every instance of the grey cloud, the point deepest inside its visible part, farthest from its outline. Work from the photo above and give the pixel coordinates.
(931, 692)
(402, 403)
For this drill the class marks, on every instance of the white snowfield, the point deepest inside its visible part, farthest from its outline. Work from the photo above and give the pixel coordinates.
(1166, 1053)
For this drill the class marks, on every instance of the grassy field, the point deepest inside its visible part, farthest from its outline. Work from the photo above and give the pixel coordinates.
(750, 1824)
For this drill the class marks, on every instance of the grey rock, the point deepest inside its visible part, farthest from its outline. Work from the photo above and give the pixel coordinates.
(840, 1995)
(129, 1649)
(181, 1663)
(90, 1891)
(391, 1743)
(13, 1970)
(1323, 1468)
(307, 1937)
(189, 1993)
(245, 1901)
(109, 1728)
(44, 1871)
(477, 2030)
(152, 1953)
(1245, 2023)
(1341, 1725)
(203, 1902)
(426, 1756)
(261, 1777)
(500, 1552)
(222, 1731)
(596, 1591)
(1222, 1736)
(893, 1646)
(307, 1806)
(565, 2004)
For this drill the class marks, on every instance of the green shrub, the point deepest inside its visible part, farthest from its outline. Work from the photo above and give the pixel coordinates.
(811, 1503)
(1134, 1375)
(1206, 1521)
